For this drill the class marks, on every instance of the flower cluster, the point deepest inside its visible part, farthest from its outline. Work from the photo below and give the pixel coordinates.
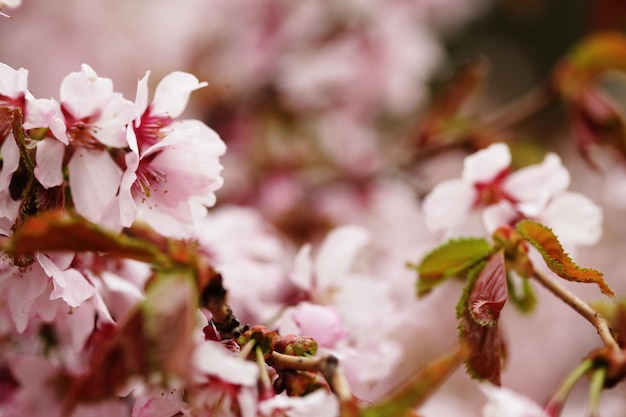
(334, 265)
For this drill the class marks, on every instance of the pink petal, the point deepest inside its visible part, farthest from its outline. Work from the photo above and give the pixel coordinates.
(94, 182)
(214, 359)
(172, 93)
(41, 112)
(337, 254)
(10, 160)
(49, 157)
(76, 289)
(485, 164)
(23, 292)
(322, 323)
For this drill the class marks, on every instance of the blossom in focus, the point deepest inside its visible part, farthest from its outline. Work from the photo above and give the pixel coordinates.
(502, 402)
(173, 167)
(489, 191)
(90, 122)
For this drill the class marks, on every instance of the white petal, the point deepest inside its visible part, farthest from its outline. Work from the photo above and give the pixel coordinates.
(84, 93)
(574, 219)
(448, 204)
(485, 164)
(337, 254)
(13, 83)
(141, 98)
(172, 93)
(535, 185)
(502, 402)
(497, 215)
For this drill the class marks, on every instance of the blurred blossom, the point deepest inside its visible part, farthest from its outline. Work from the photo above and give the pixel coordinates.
(502, 402)
(488, 188)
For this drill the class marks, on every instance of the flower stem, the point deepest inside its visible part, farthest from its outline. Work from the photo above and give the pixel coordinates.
(595, 389)
(596, 319)
(555, 404)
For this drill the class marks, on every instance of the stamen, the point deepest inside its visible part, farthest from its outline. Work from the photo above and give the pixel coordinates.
(5, 15)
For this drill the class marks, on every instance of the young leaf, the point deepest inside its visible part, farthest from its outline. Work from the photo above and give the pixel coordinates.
(589, 58)
(449, 259)
(489, 292)
(546, 242)
(479, 312)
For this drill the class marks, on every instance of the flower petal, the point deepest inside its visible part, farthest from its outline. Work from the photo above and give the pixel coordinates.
(486, 164)
(534, 185)
(574, 218)
(448, 204)
(49, 157)
(172, 93)
(94, 182)
(337, 254)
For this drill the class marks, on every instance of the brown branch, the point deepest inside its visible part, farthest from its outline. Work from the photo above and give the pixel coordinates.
(521, 109)
(596, 319)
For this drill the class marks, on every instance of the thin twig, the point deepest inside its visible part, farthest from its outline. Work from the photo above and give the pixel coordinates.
(521, 109)
(596, 319)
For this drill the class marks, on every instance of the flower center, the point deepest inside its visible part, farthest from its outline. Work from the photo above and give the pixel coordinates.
(492, 191)
(81, 132)
(149, 180)
(149, 131)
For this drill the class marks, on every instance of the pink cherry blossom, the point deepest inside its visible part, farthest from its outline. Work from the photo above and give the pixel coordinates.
(89, 122)
(173, 168)
(157, 118)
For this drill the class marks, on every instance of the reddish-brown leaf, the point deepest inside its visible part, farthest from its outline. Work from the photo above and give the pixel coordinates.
(548, 245)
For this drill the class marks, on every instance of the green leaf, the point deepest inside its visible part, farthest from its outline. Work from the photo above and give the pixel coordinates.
(521, 294)
(452, 258)
(548, 245)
